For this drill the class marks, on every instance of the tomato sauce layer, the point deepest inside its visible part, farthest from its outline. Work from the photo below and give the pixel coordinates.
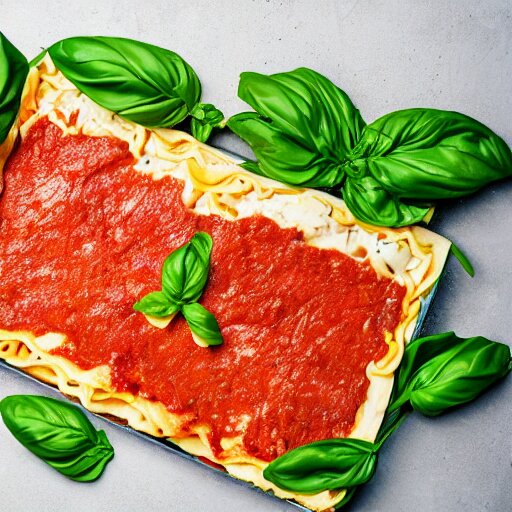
(83, 237)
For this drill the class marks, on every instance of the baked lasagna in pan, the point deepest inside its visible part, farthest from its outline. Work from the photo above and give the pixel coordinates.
(313, 306)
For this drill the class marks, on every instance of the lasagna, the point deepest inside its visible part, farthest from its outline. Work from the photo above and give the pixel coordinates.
(314, 307)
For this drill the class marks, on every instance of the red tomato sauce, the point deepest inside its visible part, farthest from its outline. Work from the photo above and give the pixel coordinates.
(83, 237)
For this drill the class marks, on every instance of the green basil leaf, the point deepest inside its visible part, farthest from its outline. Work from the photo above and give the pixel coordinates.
(141, 82)
(443, 371)
(156, 304)
(205, 117)
(13, 72)
(185, 270)
(305, 106)
(303, 128)
(203, 324)
(462, 259)
(282, 159)
(90, 465)
(324, 465)
(426, 154)
(371, 203)
(59, 433)
(200, 131)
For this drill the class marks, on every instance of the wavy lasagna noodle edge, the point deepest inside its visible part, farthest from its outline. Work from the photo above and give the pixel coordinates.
(215, 184)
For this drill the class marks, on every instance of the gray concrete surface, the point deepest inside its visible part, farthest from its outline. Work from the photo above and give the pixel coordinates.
(386, 55)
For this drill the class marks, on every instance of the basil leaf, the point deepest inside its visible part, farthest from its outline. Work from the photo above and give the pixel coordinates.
(156, 304)
(371, 203)
(185, 270)
(305, 106)
(443, 371)
(426, 154)
(202, 324)
(58, 433)
(324, 465)
(303, 129)
(13, 72)
(462, 259)
(282, 159)
(250, 165)
(205, 117)
(141, 82)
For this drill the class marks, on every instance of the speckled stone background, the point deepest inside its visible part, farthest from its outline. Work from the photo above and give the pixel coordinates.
(387, 55)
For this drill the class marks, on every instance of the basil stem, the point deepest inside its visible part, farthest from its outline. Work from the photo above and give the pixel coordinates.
(303, 128)
(392, 420)
(443, 371)
(184, 276)
(58, 433)
(38, 58)
(307, 132)
(143, 83)
(462, 259)
(13, 72)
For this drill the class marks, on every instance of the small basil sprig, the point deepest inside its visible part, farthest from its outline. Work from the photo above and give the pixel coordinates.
(303, 128)
(184, 276)
(443, 371)
(58, 433)
(205, 117)
(307, 132)
(13, 72)
(143, 83)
